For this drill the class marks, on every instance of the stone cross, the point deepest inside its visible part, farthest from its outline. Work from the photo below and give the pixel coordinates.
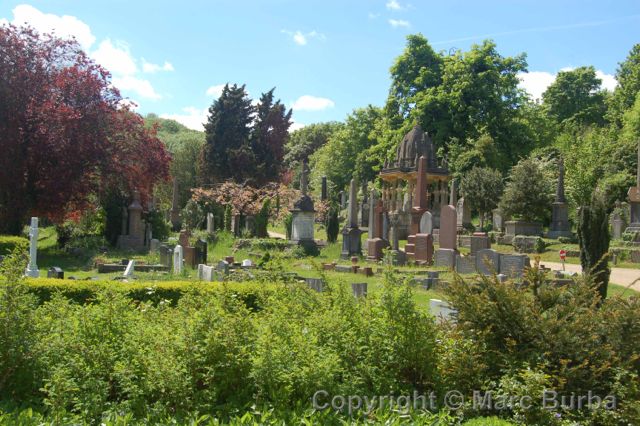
(353, 205)
(32, 268)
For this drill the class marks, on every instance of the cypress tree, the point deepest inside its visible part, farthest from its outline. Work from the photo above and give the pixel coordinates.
(593, 236)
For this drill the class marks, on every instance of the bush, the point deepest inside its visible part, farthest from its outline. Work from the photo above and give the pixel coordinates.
(160, 228)
(9, 243)
(333, 225)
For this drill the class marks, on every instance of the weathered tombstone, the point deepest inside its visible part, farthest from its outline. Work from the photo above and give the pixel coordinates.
(479, 242)
(351, 242)
(223, 266)
(423, 248)
(465, 264)
(316, 284)
(463, 218)
(189, 256)
(210, 223)
(166, 254)
(205, 272)
(183, 238)
(135, 238)
(512, 265)
(359, 289)
(55, 272)
(498, 222)
(442, 310)
(487, 261)
(32, 268)
(560, 226)
(201, 251)
(154, 245)
(303, 212)
(448, 227)
(178, 266)
(618, 226)
(128, 272)
(426, 223)
(502, 278)
(445, 258)
(247, 263)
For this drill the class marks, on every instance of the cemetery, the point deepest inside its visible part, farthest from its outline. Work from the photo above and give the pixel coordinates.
(225, 276)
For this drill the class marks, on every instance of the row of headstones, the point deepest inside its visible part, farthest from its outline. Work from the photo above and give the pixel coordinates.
(220, 271)
(485, 262)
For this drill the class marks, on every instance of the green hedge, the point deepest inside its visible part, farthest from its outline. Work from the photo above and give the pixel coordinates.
(9, 242)
(251, 293)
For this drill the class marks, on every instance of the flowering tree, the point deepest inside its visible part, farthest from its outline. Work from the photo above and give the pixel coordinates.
(64, 131)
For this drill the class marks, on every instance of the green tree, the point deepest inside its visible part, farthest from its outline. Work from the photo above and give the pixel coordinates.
(594, 238)
(482, 188)
(227, 152)
(305, 141)
(628, 77)
(262, 219)
(333, 223)
(576, 97)
(270, 133)
(528, 194)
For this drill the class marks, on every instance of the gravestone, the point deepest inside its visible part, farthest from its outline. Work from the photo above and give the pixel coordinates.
(448, 227)
(206, 273)
(303, 212)
(423, 248)
(617, 226)
(426, 223)
(135, 238)
(55, 272)
(465, 264)
(210, 223)
(343, 200)
(479, 242)
(201, 251)
(32, 268)
(512, 265)
(154, 245)
(487, 261)
(128, 272)
(247, 263)
(445, 258)
(359, 289)
(498, 222)
(442, 310)
(463, 218)
(316, 284)
(166, 255)
(178, 263)
(189, 256)
(223, 267)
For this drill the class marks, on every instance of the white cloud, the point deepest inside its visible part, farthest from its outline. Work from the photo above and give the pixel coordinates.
(148, 67)
(296, 126)
(116, 59)
(301, 39)
(142, 87)
(373, 15)
(609, 81)
(536, 82)
(312, 103)
(395, 23)
(3, 22)
(394, 5)
(63, 26)
(215, 91)
(193, 118)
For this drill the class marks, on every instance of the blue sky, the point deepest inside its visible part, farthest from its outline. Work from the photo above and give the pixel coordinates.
(325, 58)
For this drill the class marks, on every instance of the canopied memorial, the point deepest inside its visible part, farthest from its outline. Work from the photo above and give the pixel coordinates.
(400, 176)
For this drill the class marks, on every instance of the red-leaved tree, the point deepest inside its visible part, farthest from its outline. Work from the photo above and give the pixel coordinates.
(64, 131)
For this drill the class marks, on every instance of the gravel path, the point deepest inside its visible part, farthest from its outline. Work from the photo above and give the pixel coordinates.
(621, 276)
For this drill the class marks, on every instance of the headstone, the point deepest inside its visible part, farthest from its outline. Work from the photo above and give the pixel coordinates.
(342, 268)
(498, 222)
(618, 226)
(513, 265)
(184, 237)
(442, 310)
(426, 223)
(189, 256)
(448, 227)
(206, 273)
(479, 242)
(166, 255)
(223, 267)
(210, 223)
(445, 258)
(463, 218)
(359, 289)
(128, 272)
(178, 264)
(247, 263)
(32, 268)
(201, 251)
(502, 278)
(465, 264)
(303, 212)
(323, 193)
(55, 272)
(423, 248)
(487, 262)
(316, 284)
(154, 245)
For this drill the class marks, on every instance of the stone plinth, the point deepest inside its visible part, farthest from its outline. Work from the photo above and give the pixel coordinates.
(351, 242)
(423, 248)
(518, 227)
(560, 226)
(302, 226)
(479, 242)
(375, 247)
(445, 258)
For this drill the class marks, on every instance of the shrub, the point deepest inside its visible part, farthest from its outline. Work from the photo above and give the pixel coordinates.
(9, 243)
(594, 238)
(288, 225)
(333, 225)
(228, 217)
(262, 219)
(160, 228)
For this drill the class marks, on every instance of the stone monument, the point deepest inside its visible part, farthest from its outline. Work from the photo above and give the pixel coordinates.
(210, 223)
(463, 214)
(448, 228)
(177, 260)
(351, 244)
(376, 243)
(135, 238)
(417, 211)
(303, 213)
(634, 201)
(560, 226)
(32, 268)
